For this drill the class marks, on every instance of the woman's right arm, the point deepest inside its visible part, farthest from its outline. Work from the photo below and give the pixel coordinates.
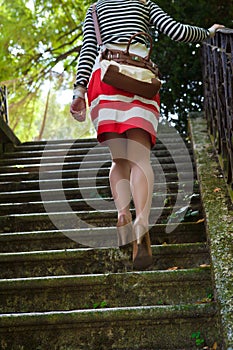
(88, 52)
(86, 61)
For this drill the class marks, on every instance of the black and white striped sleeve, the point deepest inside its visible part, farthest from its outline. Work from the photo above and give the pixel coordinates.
(175, 30)
(88, 53)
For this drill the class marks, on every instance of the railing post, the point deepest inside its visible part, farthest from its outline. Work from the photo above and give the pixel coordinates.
(3, 104)
(218, 97)
(7, 136)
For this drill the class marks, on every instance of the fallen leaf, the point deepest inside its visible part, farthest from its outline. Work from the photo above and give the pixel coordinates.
(204, 265)
(215, 346)
(217, 189)
(204, 301)
(199, 221)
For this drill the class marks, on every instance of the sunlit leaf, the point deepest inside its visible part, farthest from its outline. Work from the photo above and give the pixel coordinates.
(200, 220)
(217, 189)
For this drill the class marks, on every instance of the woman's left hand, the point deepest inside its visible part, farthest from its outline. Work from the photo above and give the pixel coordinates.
(214, 27)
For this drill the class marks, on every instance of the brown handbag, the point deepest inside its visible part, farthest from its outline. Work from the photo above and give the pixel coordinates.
(141, 79)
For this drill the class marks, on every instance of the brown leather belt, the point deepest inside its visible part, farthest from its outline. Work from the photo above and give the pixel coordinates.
(130, 59)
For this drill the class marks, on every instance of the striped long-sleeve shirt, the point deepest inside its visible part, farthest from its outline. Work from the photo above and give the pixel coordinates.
(119, 20)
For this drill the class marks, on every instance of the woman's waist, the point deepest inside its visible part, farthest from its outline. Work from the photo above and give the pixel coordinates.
(136, 48)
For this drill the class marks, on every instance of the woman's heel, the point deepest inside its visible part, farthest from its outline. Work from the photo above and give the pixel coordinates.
(142, 253)
(124, 231)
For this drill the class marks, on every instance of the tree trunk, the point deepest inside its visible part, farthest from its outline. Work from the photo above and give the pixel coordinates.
(39, 137)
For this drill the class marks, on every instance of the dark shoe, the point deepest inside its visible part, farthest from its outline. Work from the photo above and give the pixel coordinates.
(142, 253)
(124, 231)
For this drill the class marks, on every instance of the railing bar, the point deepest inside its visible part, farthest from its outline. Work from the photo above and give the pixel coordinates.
(3, 104)
(218, 93)
(6, 105)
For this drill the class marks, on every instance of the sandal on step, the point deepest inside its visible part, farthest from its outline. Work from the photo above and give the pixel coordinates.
(124, 231)
(142, 253)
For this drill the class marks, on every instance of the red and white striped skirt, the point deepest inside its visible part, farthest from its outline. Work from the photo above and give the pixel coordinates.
(115, 110)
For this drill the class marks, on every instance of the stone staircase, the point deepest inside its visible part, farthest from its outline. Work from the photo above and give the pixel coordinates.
(65, 284)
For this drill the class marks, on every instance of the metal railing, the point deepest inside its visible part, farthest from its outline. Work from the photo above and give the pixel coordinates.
(3, 104)
(218, 96)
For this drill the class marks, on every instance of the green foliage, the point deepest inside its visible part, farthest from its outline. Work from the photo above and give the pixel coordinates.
(198, 338)
(41, 39)
(36, 35)
(97, 305)
(180, 63)
(40, 42)
(102, 304)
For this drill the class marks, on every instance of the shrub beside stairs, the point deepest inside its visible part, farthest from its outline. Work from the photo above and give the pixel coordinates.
(61, 293)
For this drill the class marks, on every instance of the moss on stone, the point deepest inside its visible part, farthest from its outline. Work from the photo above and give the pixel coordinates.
(219, 221)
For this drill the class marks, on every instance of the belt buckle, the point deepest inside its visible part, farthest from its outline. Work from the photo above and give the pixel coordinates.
(135, 58)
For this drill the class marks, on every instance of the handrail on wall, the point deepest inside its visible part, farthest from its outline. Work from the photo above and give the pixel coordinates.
(3, 104)
(217, 57)
(7, 136)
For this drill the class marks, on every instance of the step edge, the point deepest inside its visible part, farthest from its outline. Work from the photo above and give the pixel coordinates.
(72, 253)
(59, 233)
(90, 316)
(152, 277)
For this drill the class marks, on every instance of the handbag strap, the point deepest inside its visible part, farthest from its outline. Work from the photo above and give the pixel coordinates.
(147, 58)
(96, 25)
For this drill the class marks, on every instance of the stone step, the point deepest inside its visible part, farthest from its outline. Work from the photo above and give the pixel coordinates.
(84, 153)
(79, 142)
(71, 219)
(32, 200)
(92, 190)
(170, 184)
(79, 145)
(63, 150)
(53, 159)
(169, 287)
(53, 194)
(59, 150)
(51, 171)
(82, 174)
(150, 327)
(48, 164)
(18, 182)
(68, 239)
(162, 137)
(101, 260)
(75, 150)
(26, 202)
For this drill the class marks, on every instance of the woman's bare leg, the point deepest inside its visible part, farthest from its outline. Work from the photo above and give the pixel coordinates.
(141, 176)
(119, 175)
(142, 182)
(131, 172)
